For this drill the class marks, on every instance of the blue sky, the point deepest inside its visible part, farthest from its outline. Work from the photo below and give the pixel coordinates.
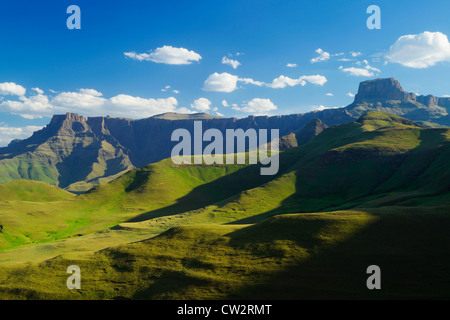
(121, 61)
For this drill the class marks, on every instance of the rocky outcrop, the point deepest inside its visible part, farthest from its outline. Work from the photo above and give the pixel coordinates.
(387, 95)
(382, 89)
(312, 129)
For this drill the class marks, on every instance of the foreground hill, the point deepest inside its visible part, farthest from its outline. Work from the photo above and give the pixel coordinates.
(374, 191)
(76, 153)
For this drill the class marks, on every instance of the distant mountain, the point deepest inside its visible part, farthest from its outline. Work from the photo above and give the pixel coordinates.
(76, 153)
(387, 95)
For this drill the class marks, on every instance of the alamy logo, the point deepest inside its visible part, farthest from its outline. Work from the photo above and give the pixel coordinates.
(258, 143)
(74, 281)
(74, 20)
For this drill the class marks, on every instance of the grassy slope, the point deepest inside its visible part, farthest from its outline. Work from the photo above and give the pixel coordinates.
(35, 191)
(379, 161)
(324, 255)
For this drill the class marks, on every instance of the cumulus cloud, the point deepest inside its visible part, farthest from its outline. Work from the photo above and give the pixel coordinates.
(421, 50)
(10, 88)
(37, 90)
(221, 82)
(137, 107)
(322, 107)
(355, 54)
(225, 82)
(322, 56)
(231, 62)
(7, 134)
(166, 55)
(283, 81)
(202, 105)
(251, 81)
(225, 103)
(88, 102)
(366, 71)
(32, 107)
(257, 106)
(329, 94)
(351, 95)
(291, 65)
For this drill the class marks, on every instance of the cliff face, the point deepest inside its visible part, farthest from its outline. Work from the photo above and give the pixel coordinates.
(78, 153)
(70, 152)
(381, 89)
(387, 95)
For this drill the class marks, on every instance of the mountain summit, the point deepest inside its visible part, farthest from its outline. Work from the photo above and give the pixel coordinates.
(382, 89)
(387, 95)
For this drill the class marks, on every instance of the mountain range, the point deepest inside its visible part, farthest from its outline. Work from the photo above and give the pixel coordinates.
(76, 154)
(371, 191)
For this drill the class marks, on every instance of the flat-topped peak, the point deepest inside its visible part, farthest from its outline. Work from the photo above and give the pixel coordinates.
(382, 89)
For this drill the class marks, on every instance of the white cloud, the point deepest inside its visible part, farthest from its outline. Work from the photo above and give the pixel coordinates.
(221, 82)
(88, 102)
(176, 91)
(225, 103)
(420, 50)
(167, 55)
(323, 56)
(350, 95)
(124, 105)
(84, 99)
(329, 94)
(319, 108)
(37, 90)
(355, 54)
(283, 81)
(201, 104)
(231, 62)
(184, 110)
(225, 82)
(291, 65)
(251, 81)
(219, 114)
(322, 107)
(10, 88)
(367, 71)
(257, 106)
(35, 106)
(7, 134)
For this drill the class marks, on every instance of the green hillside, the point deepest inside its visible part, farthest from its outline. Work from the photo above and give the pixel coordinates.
(297, 256)
(375, 191)
(28, 190)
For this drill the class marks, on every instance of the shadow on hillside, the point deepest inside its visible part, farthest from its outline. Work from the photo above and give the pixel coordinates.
(412, 253)
(411, 250)
(210, 193)
(375, 176)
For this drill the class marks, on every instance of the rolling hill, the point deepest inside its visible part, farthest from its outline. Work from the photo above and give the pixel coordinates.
(373, 191)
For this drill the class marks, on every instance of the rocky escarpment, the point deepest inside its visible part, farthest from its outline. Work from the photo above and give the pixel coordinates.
(387, 95)
(382, 89)
(78, 153)
(71, 152)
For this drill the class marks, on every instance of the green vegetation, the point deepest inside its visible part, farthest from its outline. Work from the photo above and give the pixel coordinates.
(35, 191)
(370, 192)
